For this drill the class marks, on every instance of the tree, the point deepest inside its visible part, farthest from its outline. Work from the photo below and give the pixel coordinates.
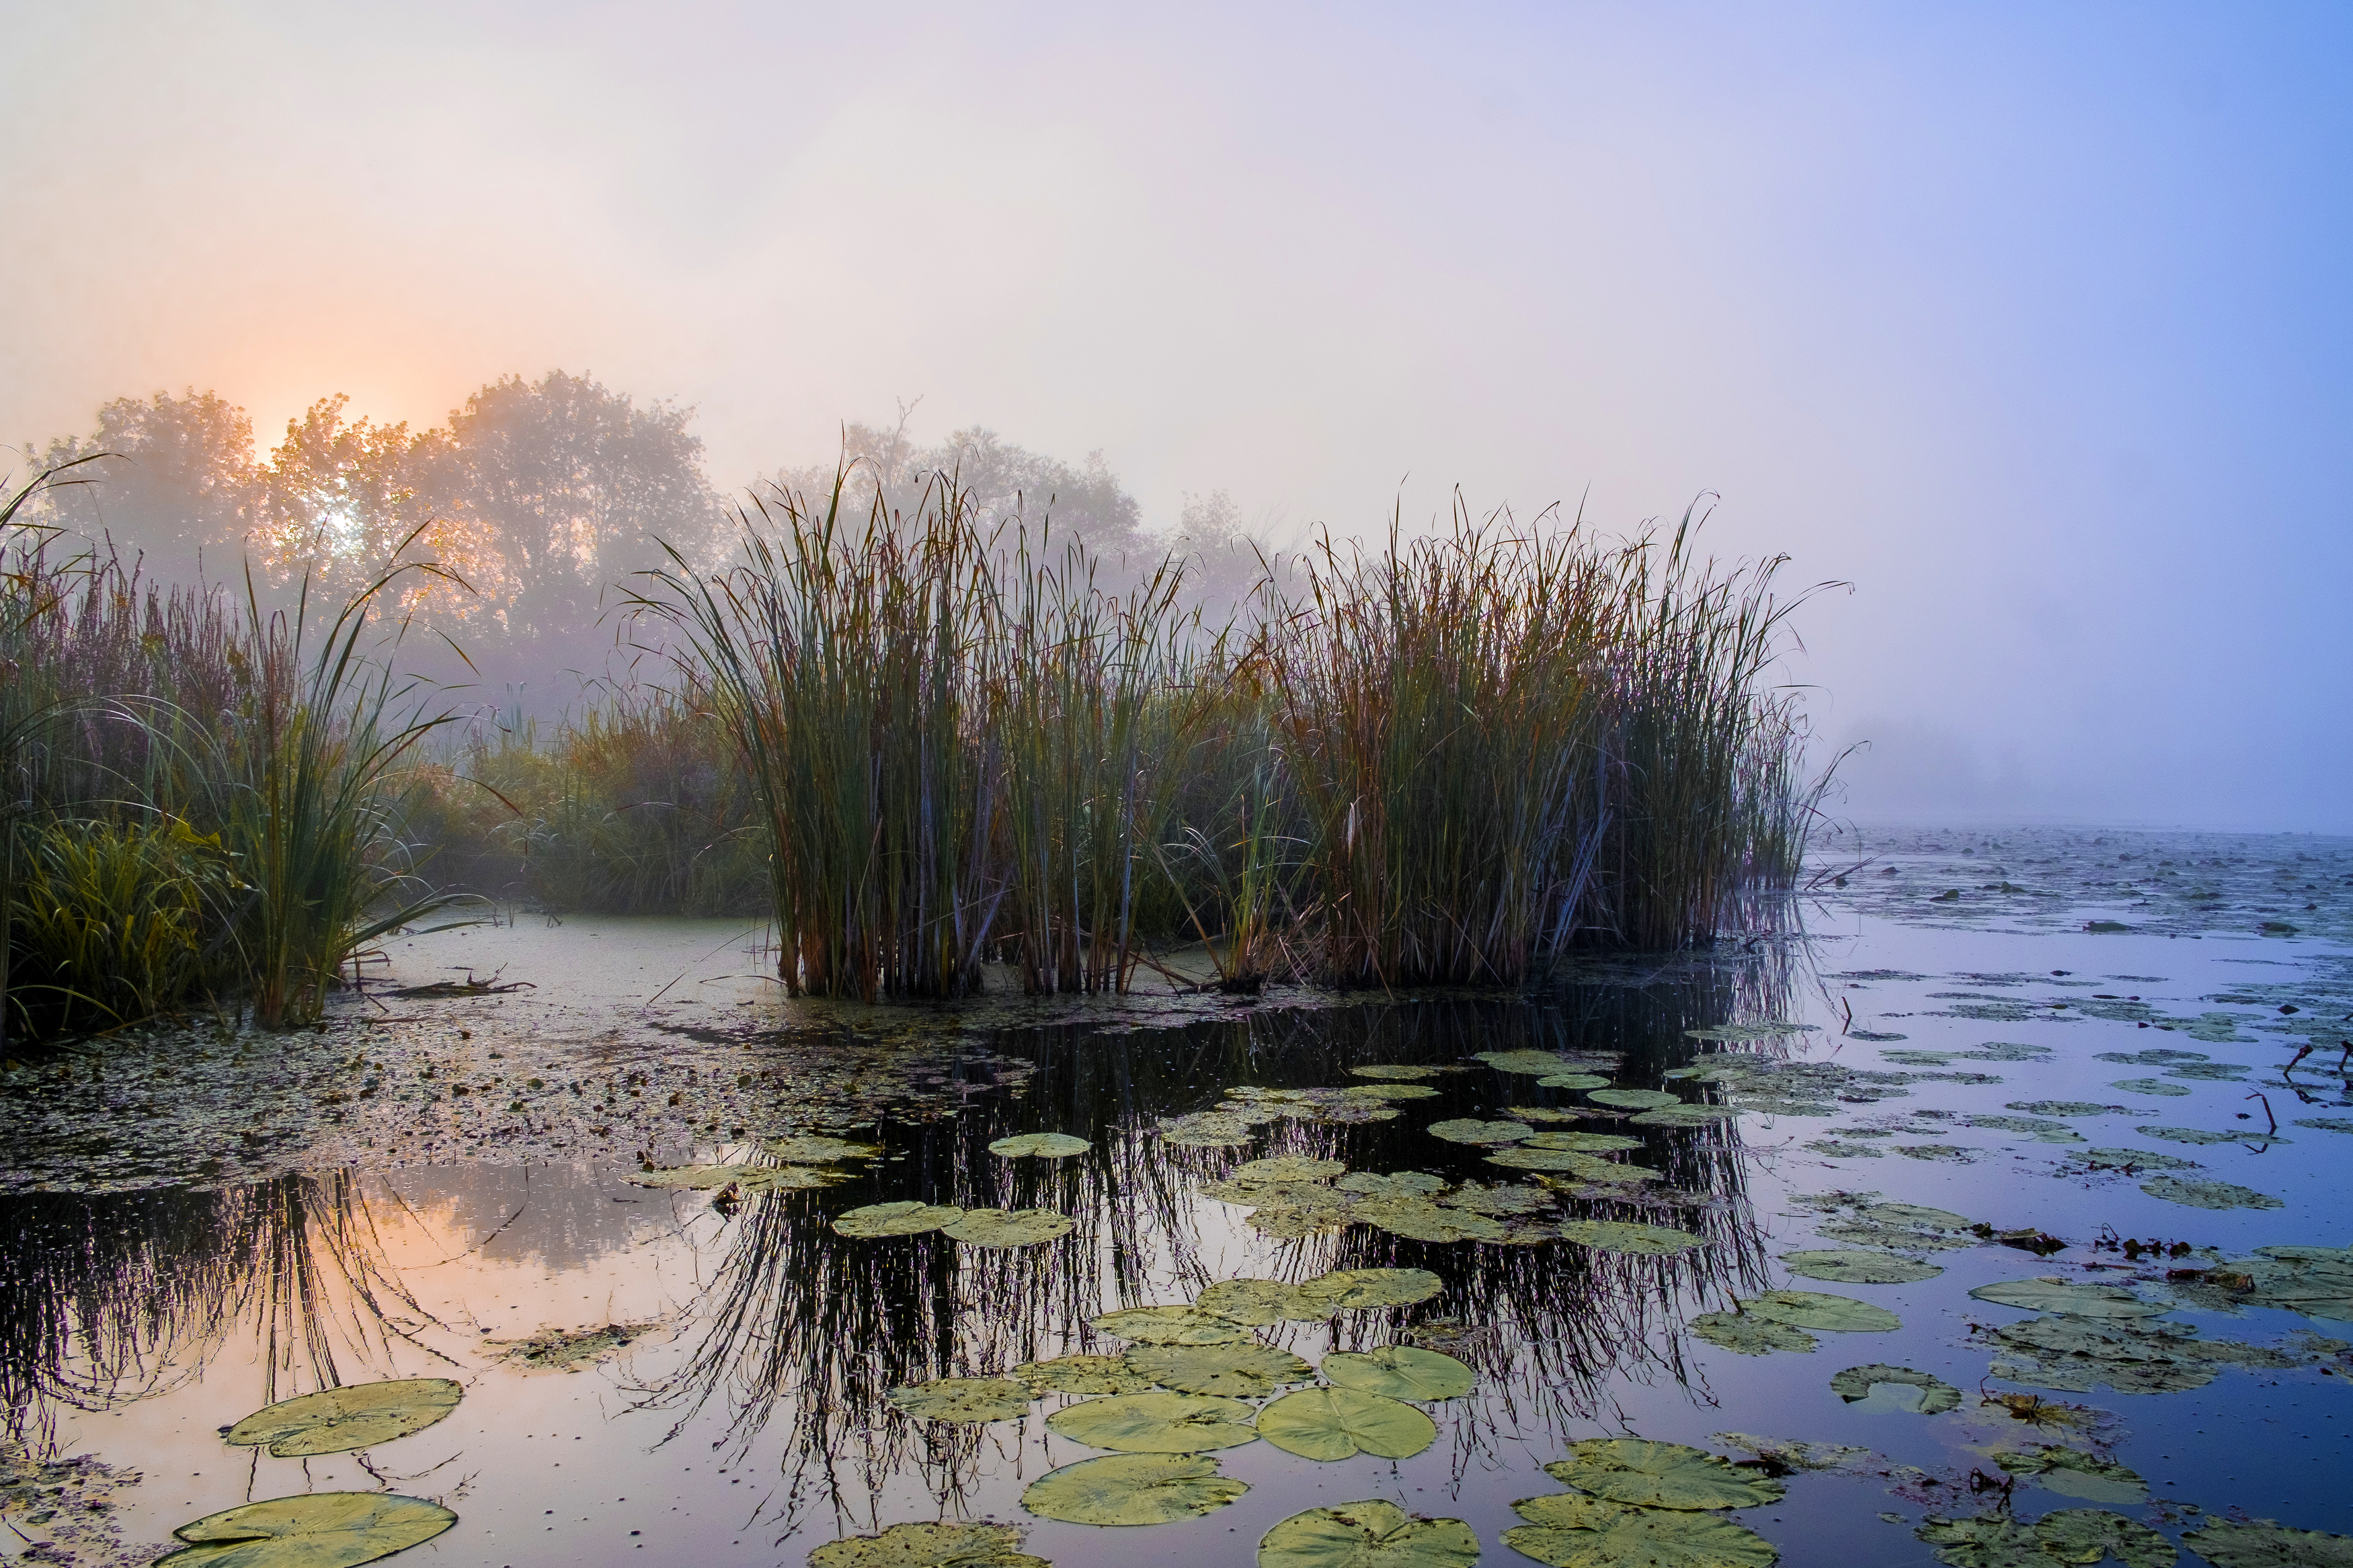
(182, 489)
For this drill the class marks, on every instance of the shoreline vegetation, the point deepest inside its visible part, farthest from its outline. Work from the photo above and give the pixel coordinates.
(925, 737)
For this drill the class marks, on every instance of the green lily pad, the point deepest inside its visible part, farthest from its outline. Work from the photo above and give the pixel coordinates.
(1686, 1116)
(2327, 1124)
(1466, 1130)
(1859, 1268)
(2155, 1086)
(1369, 1534)
(1388, 1092)
(1336, 1423)
(2135, 1159)
(1400, 1372)
(941, 1545)
(2064, 1295)
(1207, 1130)
(1352, 1289)
(1918, 1216)
(1287, 1168)
(2084, 1535)
(1634, 1099)
(1132, 1488)
(1524, 1159)
(1823, 1313)
(2061, 1108)
(2072, 1472)
(1745, 1333)
(1729, 1033)
(1573, 1080)
(1854, 1384)
(1796, 1454)
(1500, 1202)
(1040, 1145)
(753, 1178)
(1007, 1228)
(1172, 1326)
(1234, 1372)
(1607, 1536)
(1616, 1235)
(1582, 1143)
(1156, 1423)
(1419, 1219)
(1643, 1474)
(335, 1420)
(1401, 1073)
(321, 1530)
(1296, 1222)
(1542, 1113)
(1086, 1374)
(970, 1399)
(2228, 1543)
(2199, 1135)
(1894, 1238)
(1523, 1062)
(2209, 1194)
(1401, 1185)
(809, 1149)
(895, 1219)
(1258, 1302)
(1983, 1540)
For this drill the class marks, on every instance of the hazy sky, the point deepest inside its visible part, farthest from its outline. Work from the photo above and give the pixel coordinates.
(2031, 322)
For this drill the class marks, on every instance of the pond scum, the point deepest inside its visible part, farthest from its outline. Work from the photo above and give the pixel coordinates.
(924, 748)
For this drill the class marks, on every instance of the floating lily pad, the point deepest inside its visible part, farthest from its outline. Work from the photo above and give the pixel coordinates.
(1086, 1374)
(895, 1219)
(321, 1530)
(963, 1399)
(1398, 1184)
(1040, 1145)
(1466, 1130)
(1132, 1488)
(1370, 1534)
(1605, 1535)
(1389, 1092)
(335, 1420)
(1582, 1143)
(1352, 1289)
(1983, 1541)
(1525, 1062)
(1172, 1326)
(1796, 1454)
(1859, 1268)
(1419, 1219)
(942, 1545)
(1855, 1384)
(1744, 1333)
(1499, 1202)
(809, 1149)
(2062, 1108)
(1685, 1115)
(1573, 1080)
(2209, 1194)
(1258, 1302)
(1895, 1237)
(1399, 1073)
(1643, 1474)
(1007, 1228)
(752, 1178)
(1542, 1113)
(1918, 1216)
(2064, 1295)
(1336, 1423)
(1524, 1159)
(2327, 1124)
(2259, 1543)
(1634, 1099)
(2156, 1086)
(1287, 1168)
(1735, 1033)
(1156, 1423)
(1822, 1312)
(2084, 1535)
(2072, 1472)
(1234, 1372)
(1208, 1129)
(2135, 1160)
(1615, 1235)
(2199, 1135)
(1400, 1372)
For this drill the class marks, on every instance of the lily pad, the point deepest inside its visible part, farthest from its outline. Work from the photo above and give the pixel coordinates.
(810, 1149)
(2062, 1108)
(1418, 1219)
(1156, 1423)
(1822, 1312)
(2084, 1535)
(1795, 1454)
(757, 1178)
(1582, 1143)
(1207, 1130)
(2135, 1159)
(1523, 1062)
(941, 1545)
(1686, 1116)
(1596, 1535)
(1400, 1372)
(1573, 1080)
(1370, 1534)
(2072, 1472)
(1465, 1129)
(1398, 1184)
(1615, 1235)
(320, 1530)
(1040, 1145)
(2156, 1086)
(1983, 1540)
(2064, 1295)
(1354, 1289)
(970, 1399)
(895, 1219)
(2209, 1194)
(1007, 1228)
(1397, 1073)
(2259, 1543)
(1287, 1168)
(1859, 1268)
(1172, 1326)
(1336, 1423)
(1543, 1113)
(1634, 1099)
(1745, 1333)
(1854, 1384)
(1640, 1473)
(336, 1420)
(1918, 1216)
(1234, 1372)
(1389, 1092)
(2201, 1135)
(1132, 1488)
(1086, 1374)
(1258, 1302)
(2327, 1124)
(1499, 1202)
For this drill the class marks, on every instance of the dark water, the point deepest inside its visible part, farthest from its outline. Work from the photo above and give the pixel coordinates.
(747, 1420)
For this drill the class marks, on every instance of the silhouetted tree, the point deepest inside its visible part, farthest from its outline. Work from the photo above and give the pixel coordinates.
(182, 488)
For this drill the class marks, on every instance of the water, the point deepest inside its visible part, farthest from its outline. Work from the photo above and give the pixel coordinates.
(375, 1223)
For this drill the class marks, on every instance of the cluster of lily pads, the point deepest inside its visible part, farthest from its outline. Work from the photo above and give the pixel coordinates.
(807, 1158)
(2105, 1335)
(338, 1527)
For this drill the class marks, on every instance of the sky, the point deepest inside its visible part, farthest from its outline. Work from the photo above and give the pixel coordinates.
(2028, 324)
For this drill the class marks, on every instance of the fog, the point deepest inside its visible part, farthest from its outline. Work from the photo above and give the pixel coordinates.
(2028, 322)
